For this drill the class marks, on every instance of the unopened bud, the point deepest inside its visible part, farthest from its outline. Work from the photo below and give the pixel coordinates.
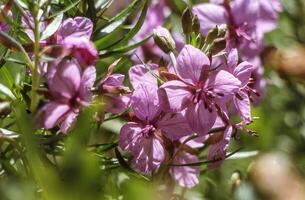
(222, 29)
(196, 24)
(219, 44)
(164, 39)
(187, 21)
(212, 35)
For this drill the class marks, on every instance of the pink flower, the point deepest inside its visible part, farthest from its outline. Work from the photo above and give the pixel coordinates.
(198, 92)
(74, 34)
(247, 21)
(242, 72)
(82, 49)
(74, 27)
(143, 137)
(69, 90)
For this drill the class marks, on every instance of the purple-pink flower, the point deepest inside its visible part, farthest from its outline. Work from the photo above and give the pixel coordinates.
(199, 93)
(69, 90)
(246, 21)
(143, 137)
(74, 34)
(242, 72)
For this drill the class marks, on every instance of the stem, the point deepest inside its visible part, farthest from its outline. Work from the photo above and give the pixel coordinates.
(35, 75)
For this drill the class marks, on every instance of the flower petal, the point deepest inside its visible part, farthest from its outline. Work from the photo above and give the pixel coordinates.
(174, 126)
(64, 78)
(245, 11)
(145, 102)
(224, 83)
(129, 136)
(191, 62)
(116, 104)
(243, 72)
(268, 14)
(199, 118)
(186, 176)
(76, 27)
(218, 151)
(82, 49)
(210, 15)
(141, 74)
(149, 156)
(243, 106)
(68, 120)
(87, 82)
(232, 59)
(176, 97)
(51, 113)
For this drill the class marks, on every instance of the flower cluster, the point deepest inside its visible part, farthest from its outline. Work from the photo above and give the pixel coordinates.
(184, 102)
(199, 90)
(70, 77)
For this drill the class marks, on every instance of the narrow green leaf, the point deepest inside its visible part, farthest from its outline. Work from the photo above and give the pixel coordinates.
(10, 42)
(52, 28)
(124, 49)
(244, 154)
(123, 14)
(106, 32)
(72, 5)
(133, 31)
(6, 91)
(103, 5)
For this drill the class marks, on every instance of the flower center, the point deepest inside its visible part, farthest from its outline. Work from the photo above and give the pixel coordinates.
(148, 131)
(205, 95)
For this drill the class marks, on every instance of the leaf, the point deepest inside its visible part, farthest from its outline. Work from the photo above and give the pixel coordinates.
(72, 5)
(6, 91)
(133, 31)
(103, 5)
(114, 23)
(125, 49)
(243, 154)
(8, 134)
(121, 160)
(10, 42)
(52, 27)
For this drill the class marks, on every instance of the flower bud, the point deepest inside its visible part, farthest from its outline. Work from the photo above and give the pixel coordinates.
(187, 21)
(219, 44)
(222, 29)
(196, 24)
(164, 39)
(212, 35)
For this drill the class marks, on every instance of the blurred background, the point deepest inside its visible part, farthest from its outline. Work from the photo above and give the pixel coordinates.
(270, 166)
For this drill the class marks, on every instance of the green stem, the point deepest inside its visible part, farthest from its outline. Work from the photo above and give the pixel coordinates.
(35, 75)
